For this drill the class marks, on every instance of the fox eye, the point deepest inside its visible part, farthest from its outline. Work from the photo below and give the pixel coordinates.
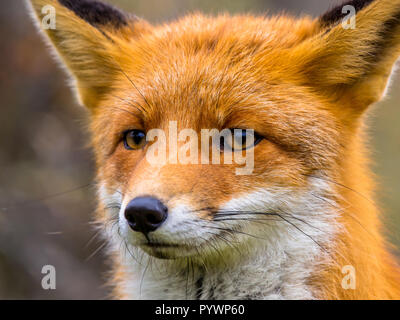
(134, 139)
(241, 140)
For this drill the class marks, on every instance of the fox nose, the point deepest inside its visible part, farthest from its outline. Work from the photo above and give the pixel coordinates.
(145, 214)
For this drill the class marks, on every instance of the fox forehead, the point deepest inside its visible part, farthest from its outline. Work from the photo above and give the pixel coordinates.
(211, 67)
(198, 43)
(243, 30)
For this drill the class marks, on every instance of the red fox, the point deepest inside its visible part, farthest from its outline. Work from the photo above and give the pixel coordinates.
(302, 224)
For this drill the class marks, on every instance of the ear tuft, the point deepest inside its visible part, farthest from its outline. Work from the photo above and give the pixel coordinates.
(353, 64)
(96, 13)
(336, 14)
(88, 37)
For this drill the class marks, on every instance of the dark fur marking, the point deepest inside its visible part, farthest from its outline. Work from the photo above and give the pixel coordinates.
(335, 15)
(378, 48)
(211, 293)
(390, 29)
(96, 13)
(386, 34)
(199, 288)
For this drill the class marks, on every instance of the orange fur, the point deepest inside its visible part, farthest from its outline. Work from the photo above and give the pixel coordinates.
(303, 86)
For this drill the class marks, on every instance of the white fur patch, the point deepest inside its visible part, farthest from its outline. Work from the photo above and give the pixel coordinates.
(271, 257)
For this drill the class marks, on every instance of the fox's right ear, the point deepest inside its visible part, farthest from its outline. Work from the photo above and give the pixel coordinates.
(352, 63)
(87, 35)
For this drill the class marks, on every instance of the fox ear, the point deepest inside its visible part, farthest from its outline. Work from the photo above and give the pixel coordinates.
(353, 61)
(86, 35)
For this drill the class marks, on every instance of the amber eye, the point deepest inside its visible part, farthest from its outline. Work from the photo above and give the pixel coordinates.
(134, 139)
(241, 140)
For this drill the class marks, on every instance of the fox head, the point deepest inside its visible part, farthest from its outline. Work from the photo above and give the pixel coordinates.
(302, 85)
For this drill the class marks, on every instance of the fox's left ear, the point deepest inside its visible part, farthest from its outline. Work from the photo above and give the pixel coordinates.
(353, 62)
(88, 36)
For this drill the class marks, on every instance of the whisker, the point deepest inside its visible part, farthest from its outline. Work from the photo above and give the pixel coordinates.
(97, 250)
(92, 238)
(341, 185)
(239, 213)
(143, 275)
(233, 231)
(292, 224)
(137, 106)
(187, 276)
(217, 250)
(228, 243)
(129, 251)
(230, 230)
(51, 196)
(349, 213)
(130, 80)
(124, 110)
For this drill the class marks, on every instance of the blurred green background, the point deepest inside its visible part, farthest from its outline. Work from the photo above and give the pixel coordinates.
(46, 200)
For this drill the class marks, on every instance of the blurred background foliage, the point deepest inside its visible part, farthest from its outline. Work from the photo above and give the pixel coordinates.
(46, 196)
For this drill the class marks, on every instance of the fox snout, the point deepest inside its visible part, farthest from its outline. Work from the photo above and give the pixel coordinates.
(145, 214)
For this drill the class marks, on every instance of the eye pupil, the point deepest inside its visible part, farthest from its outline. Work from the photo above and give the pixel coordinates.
(137, 137)
(134, 139)
(240, 140)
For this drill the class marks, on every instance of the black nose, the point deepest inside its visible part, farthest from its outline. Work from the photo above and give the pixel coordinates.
(145, 214)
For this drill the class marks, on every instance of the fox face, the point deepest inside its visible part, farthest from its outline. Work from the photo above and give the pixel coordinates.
(210, 202)
(291, 92)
